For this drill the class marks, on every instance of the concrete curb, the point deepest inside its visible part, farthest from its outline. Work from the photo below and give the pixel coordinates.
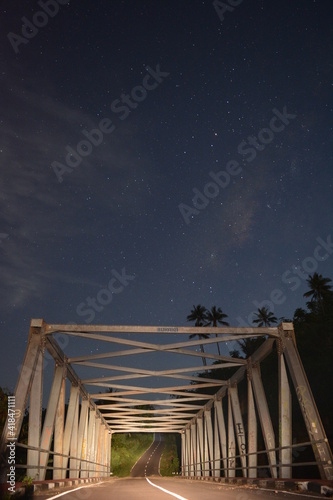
(62, 483)
(322, 487)
(51, 484)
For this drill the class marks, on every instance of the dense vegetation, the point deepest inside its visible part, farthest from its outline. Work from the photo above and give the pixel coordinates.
(125, 451)
(314, 338)
(170, 461)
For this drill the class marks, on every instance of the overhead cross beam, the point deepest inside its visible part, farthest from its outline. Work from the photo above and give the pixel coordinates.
(204, 409)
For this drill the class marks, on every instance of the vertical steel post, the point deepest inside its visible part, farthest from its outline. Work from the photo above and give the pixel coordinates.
(59, 433)
(105, 452)
(81, 436)
(183, 442)
(285, 419)
(35, 419)
(95, 447)
(209, 458)
(24, 382)
(316, 431)
(217, 450)
(91, 440)
(102, 451)
(99, 448)
(206, 448)
(252, 432)
(99, 451)
(222, 434)
(240, 432)
(198, 463)
(73, 461)
(231, 441)
(193, 449)
(84, 454)
(109, 453)
(265, 418)
(73, 401)
(48, 426)
(188, 450)
(200, 443)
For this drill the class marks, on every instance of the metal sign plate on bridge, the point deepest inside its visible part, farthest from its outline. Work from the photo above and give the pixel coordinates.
(155, 379)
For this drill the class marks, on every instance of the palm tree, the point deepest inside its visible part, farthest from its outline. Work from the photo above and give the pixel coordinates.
(213, 317)
(283, 319)
(265, 317)
(198, 314)
(248, 346)
(319, 289)
(299, 315)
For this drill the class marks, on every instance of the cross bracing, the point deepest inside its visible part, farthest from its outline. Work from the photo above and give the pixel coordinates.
(150, 379)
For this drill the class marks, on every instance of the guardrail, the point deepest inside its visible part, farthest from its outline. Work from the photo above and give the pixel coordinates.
(214, 468)
(99, 469)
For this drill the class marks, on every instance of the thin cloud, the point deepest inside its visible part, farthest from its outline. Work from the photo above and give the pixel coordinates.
(37, 212)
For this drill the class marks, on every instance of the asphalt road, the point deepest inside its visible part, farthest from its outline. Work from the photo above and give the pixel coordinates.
(159, 488)
(145, 483)
(149, 463)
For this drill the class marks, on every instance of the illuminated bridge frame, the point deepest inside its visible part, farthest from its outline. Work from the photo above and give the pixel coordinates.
(215, 441)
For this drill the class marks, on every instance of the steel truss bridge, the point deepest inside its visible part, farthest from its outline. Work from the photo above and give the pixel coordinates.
(169, 394)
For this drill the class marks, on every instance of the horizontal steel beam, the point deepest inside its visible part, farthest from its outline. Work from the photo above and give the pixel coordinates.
(165, 330)
(153, 373)
(94, 381)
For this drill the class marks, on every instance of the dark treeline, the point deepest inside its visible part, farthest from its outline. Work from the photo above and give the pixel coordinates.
(313, 326)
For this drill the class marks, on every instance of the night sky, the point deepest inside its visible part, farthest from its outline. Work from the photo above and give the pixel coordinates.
(160, 154)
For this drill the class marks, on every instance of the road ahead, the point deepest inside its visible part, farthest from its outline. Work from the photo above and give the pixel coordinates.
(149, 463)
(158, 488)
(145, 483)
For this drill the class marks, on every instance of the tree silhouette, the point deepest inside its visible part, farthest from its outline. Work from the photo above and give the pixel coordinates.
(248, 346)
(213, 317)
(198, 314)
(264, 317)
(299, 315)
(319, 289)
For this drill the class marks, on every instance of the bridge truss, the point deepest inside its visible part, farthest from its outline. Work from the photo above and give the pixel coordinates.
(148, 382)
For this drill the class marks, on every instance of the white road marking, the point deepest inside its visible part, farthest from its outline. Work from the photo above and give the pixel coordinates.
(141, 455)
(75, 489)
(166, 491)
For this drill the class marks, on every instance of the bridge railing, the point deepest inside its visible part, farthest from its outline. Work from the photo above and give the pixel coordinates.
(84, 469)
(214, 469)
(214, 426)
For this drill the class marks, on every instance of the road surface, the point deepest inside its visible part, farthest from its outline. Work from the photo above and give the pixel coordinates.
(149, 463)
(162, 488)
(145, 483)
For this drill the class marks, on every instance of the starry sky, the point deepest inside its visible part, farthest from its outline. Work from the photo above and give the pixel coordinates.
(160, 154)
